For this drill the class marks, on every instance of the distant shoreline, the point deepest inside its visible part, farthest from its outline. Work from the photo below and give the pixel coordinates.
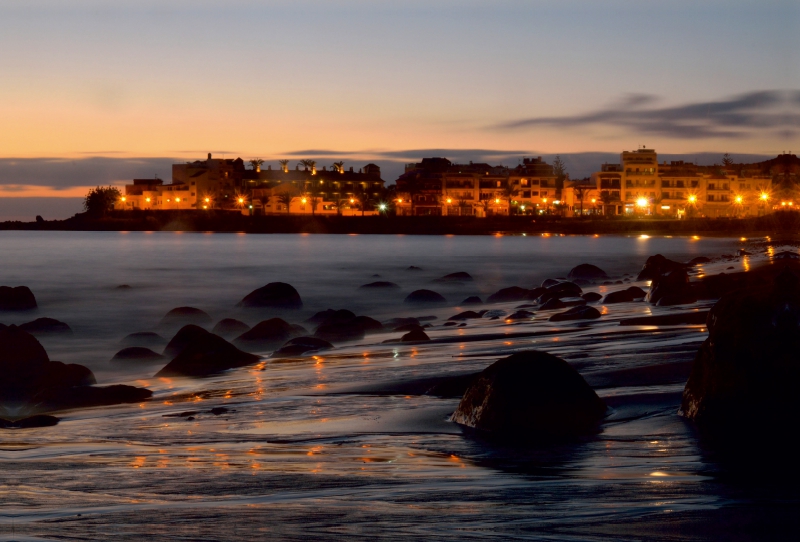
(228, 222)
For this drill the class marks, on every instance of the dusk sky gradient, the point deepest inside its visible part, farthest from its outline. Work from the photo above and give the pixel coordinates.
(371, 80)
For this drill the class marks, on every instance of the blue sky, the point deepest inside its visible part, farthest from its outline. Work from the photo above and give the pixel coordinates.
(176, 79)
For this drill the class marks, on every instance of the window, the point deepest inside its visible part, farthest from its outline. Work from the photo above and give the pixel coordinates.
(524, 182)
(710, 197)
(711, 186)
(534, 194)
(535, 183)
(526, 194)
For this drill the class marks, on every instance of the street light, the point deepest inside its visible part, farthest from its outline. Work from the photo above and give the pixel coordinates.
(739, 199)
(642, 202)
(692, 199)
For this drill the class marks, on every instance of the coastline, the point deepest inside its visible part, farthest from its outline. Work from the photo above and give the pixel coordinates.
(228, 222)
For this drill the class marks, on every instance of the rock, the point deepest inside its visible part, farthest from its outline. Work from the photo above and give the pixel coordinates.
(424, 296)
(19, 298)
(624, 296)
(31, 382)
(186, 315)
(786, 255)
(41, 420)
(230, 327)
(205, 354)
(269, 333)
(745, 375)
(415, 336)
(552, 305)
(683, 318)
(526, 306)
(637, 292)
(546, 283)
(413, 268)
(381, 284)
(592, 297)
(330, 315)
(530, 395)
(46, 326)
(562, 289)
(658, 265)
(426, 318)
(137, 353)
(586, 271)
(512, 293)
(580, 312)
(467, 315)
(572, 301)
(672, 288)
(472, 300)
(143, 338)
(302, 345)
(339, 328)
(124, 287)
(520, 315)
(277, 295)
(409, 327)
(397, 322)
(446, 324)
(698, 260)
(460, 276)
(183, 338)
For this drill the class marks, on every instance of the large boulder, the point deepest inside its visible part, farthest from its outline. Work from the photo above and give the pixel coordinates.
(586, 271)
(137, 354)
(419, 297)
(269, 333)
(330, 315)
(275, 295)
(301, 346)
(530, 395)
(339, 329)
(46, 326)
(19, 298)
(592, 297)
(672, 288)
(746, 373)
(581, 312)
(658, 265)
(205, 354)
(472, 300)
(624, 296)
(416, 335)
(230, 327)
(183, 338)
(186, 315)
(559, 290)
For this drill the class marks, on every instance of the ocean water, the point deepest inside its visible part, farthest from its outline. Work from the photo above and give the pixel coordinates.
(347, 445)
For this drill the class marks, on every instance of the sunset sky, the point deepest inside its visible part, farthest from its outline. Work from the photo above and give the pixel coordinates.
(147, 82)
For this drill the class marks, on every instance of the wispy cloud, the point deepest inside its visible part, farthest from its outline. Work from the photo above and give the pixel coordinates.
(741, 116)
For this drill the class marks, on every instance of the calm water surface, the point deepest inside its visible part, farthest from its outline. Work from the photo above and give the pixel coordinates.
(345, 445)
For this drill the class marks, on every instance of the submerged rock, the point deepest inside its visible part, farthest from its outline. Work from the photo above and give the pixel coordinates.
(230, 327)
(330, 315)
(586, 271)
(580, 312)
(41, 420)
(300, 346)
(530, 395)
(19, 298)
(745, 374)
(137, 353)
(682, 318)
(343, 327)
(546, 283)
(186, 315)
(592, 297)
(275, 294)
(658, 265)
(381, 284)
(269, 333)
(698, 260)
(520, 315)
(552, 305)
(46, 326)
(203, 354)
(424, 296)
(624, 296)
(472, 300)
(416, 335)
(562, 289)
(505, 295)
(467, 315)
(673, 288)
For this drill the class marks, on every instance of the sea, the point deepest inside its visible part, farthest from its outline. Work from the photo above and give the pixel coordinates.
(348, 444)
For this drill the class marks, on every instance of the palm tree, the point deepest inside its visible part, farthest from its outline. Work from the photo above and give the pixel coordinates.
(286, 199)
(560, 171)
(284, 165)
(339, 166)
(310, 164)
(256, 163)
(508, 191)
(312, 193)
(486, 205)
(463, 204)
(580, 190)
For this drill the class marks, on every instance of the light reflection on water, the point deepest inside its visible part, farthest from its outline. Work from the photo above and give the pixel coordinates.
(324, 446)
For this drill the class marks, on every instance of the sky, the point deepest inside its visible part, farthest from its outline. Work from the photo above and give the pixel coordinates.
(100, 92)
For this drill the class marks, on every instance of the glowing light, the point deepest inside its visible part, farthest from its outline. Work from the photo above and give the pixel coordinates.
(739, 199)
(147, 200)
(241, 200)
(205, 206)
(594, 200)
(764, 196)
(400, 200)
(382, 206)
(207, 200)
(352, 200)
(303, 201)
(177, 200)
(123, 198)
(522, 207)
(642, 202)
(449, 200)
(692, 199)
(497, 200)
(557, 202)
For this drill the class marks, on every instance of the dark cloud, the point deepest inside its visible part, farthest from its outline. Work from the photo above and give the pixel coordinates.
(62, 174)
(736, 117)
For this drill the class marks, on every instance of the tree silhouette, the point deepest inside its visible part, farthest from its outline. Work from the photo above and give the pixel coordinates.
(727, 160)
(256, 163)
(286, 199)
(100, 200)
(339, 166)
(284, 165)
(580, 192)
(508, 191)
(560, 171)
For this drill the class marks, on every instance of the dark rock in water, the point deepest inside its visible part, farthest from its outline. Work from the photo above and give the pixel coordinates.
(786, 255)
(19, 298)
(731, 267)
(183, 338)
(624, 296)
(581, 312)
(205, 354)
(467, 315)
(743, 252)
(426, 318)
(277, 295)
(396, 322)
(562, 289)
(745, 375)
(572, 301)
(697, 261)
(29, 379)
(512, 293)
(269, 333)
(658, 265)
(424, 296)
(124, 287)
(302, 345)
(672, 288)
(186, 315)
(42, 420)
(462, 325)
(144, 338)
(331, 315)
(230, 327)
(369, 325)
(415, 336)
(46, 326)
(552, 305)
(460, 276)
(592, 297)
(340, 328)
(683, 318)
(218, 411)
(137, 353)
(413, 268)
(586, 271)
(378, 285)
(450, 324)
(409, 327)
(520, 315)
(546, 283)
(637, 292)
(528, 396)
(472, 300)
